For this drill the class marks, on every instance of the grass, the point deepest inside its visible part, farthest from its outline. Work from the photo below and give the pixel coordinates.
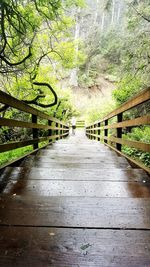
(6, 157)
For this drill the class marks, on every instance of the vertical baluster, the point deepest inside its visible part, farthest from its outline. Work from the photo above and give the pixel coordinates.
(91, 132)
(50, 130)
(119, 131)
(35, 131)
(61, 131)
(94, 131)
(106, 131)
(99, 131)
(57, 131)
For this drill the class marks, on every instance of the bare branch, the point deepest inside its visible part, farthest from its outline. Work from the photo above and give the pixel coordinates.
(141, 15)
(16, 63)
(53, 92)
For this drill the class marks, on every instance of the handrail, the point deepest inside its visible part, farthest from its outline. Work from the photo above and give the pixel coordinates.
(133, 102)
(20, 105)
(93, 131)
(55, 128)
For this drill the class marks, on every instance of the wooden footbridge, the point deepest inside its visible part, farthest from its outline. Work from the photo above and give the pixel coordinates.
(76, 201)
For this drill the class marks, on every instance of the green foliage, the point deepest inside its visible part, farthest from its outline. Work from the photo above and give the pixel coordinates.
(6, 157)
(85, 80)
(111, 46)
(127, 88)
(98, 110)
(76, 3)
(137, 154)
(141, 134)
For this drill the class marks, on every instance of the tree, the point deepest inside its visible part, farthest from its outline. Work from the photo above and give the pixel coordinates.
(32, 33)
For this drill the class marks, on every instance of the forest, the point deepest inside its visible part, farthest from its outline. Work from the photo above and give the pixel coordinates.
(80, 58)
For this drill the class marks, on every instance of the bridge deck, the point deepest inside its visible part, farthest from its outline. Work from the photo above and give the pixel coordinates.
(76, 203)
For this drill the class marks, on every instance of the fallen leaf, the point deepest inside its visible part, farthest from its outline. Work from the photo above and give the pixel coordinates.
(83, 247)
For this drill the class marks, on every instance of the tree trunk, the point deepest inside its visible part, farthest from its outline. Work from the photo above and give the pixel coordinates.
(74, 72)
(113, 12)
(103, 22)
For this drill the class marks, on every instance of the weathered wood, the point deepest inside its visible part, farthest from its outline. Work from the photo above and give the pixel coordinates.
(35, 131)
(22, 124)
(135, 101)
(73, 247)
(82, 159)
(122, 175)
(75, 165)
(18, 144)
(136, 144)
(145, 120)
(78, 188)
(86, 207)
(83, 212)
(119, 131)
(106, 131)
(131, 160)
(15, 103)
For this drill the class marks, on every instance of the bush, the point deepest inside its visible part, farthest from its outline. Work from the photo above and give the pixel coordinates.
(127, 88)
(141, 134)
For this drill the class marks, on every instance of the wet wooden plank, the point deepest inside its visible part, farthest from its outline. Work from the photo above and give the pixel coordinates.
(82, 159)
(122, 175)
(126, 213)
(77, 188)
(76, 165)
(85, 153)
(44, 247)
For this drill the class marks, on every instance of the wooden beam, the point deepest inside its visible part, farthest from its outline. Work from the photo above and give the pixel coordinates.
(135, 101)
(20, 105)
(18, 144)
(135, 162)
(135, 144)
(22, 124)
(145, 120)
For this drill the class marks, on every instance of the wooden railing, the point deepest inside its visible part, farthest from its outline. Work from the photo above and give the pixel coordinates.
(100, 129)
(55, 128)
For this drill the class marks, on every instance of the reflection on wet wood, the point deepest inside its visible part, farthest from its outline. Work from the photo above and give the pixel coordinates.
(75, 203)
(77, 188)
(76, 212)
(122, 175)
(73, 247)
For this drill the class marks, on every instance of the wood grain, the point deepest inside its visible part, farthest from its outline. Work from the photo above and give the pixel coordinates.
(83, 212)
(44, 247)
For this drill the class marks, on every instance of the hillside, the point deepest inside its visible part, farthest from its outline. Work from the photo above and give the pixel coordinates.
(100, 93)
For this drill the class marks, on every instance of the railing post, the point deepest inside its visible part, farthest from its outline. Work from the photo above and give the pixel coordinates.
(57, 125)
(106, 131)
(92, 137)
(94, 131)
(61, 131)
(50, 130)
(35, 131)
(99, 131)
(68, 130)
(119, 131)
(89, 132)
